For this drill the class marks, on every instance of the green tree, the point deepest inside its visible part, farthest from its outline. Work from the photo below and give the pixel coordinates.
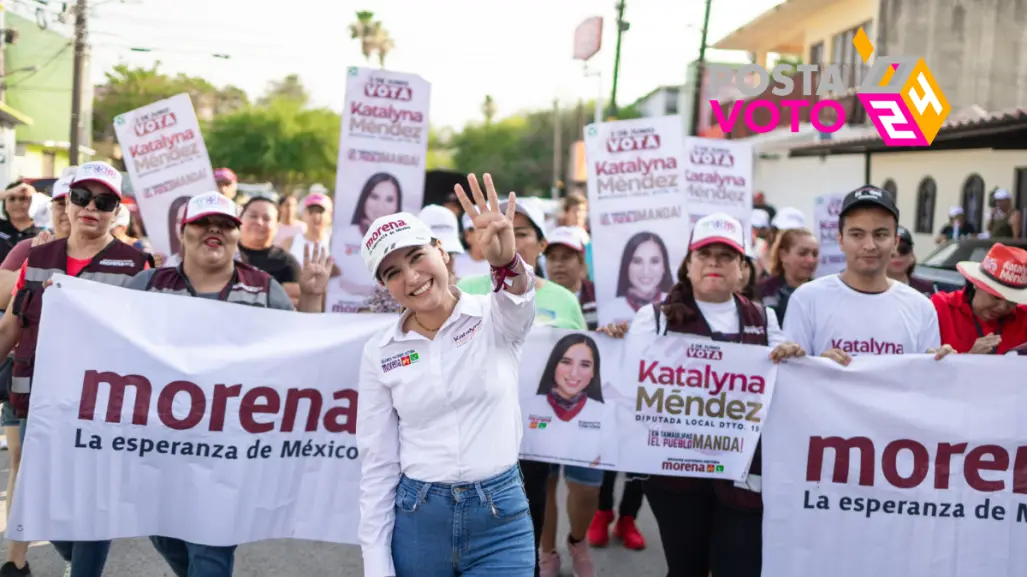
(128, 88)
(281, 142)
(366, 30)
(288, 88)
(518, 150)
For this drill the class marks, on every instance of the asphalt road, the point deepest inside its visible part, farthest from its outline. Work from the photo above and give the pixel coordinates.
(293, 558)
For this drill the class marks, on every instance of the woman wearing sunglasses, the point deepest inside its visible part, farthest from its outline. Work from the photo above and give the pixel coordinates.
(90, 252)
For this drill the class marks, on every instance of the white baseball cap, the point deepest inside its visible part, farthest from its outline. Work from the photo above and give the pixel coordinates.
(717, 228)
(208, 204)
(529, 208)
(759, 218)
(62, 186)
(569, 236)
(1002, 194)
(390, 233)
(788, 218)
(318, 188)
(443, 225)
(99, 172)
(955, 211)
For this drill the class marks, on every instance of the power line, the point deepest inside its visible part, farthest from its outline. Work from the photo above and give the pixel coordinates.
(46, 64)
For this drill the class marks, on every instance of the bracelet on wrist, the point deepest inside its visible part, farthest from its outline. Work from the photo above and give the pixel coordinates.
(501, 273)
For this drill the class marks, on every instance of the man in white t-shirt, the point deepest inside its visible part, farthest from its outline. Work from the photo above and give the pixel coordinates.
(860, 311)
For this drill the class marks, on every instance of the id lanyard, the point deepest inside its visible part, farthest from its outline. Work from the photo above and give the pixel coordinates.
(980, 333)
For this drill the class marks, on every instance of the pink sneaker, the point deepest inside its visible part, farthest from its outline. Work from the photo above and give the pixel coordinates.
(581, 558)
(548, 564)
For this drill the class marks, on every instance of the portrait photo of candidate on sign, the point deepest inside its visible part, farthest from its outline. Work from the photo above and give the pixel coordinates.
(562, 401)
(644, 276)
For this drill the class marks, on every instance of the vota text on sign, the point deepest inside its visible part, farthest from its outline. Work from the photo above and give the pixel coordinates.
(389, 89)
(635, 174)
(262, 400)
(154, 121)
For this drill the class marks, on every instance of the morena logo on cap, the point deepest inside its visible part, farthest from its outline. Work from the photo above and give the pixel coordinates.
(99, 168)
(385, 228)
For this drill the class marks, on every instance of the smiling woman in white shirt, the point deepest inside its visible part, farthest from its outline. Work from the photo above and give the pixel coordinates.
(440, 422)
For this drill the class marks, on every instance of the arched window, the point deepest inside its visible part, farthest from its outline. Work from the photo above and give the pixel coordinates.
(892, 189)
(973, 200)
(925, 199)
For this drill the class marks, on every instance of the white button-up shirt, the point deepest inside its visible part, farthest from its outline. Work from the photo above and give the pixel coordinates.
(439, 411)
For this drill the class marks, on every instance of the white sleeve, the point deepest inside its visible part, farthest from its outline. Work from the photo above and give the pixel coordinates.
(930, 332)
(644, 322)
(798, 326)
(513, 314)
(775, 335)
(378, 442)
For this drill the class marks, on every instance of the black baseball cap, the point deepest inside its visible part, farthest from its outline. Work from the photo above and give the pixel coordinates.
(905, 236)
(868, 196)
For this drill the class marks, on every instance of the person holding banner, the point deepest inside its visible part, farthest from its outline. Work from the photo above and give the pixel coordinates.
(440, 426)
(860, 310)
(209, 270)
(989, 315)
(90, 252)
(706, 524)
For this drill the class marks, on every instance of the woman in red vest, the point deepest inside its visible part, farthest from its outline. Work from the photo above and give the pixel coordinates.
(988, 315)
(711, 525)
(90, 252)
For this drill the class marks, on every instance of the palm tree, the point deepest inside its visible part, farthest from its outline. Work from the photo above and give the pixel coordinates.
(383, 44)
(366, 30)
(488, 108)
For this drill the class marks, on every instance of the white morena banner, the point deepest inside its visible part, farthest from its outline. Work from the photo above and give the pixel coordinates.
(382, 149)
(898, 466)
(637, 210)
(718, 178)
(168, 164)
(662, 405)
(826, 209)
(188, 418)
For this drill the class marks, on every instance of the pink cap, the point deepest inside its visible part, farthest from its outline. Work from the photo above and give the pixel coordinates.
(209, 204)
(718, 228)
(318, 199)
(100, 173)
(569, 236)
(225, 175)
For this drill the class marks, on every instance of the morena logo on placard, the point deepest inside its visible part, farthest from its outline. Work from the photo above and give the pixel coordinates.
(900, 95)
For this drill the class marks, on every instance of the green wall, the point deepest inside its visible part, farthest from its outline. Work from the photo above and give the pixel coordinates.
(45, 95)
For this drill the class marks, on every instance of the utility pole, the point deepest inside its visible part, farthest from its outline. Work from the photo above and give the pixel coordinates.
(3, 49)
(76, 82)
(700, 73)
(557, 149)
(622, 27)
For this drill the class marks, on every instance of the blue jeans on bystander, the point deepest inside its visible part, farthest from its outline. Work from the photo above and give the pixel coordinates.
(195, 560)
(479, 529)
(87, 558)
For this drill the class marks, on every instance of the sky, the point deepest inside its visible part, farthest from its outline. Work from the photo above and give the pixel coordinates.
(519, 52)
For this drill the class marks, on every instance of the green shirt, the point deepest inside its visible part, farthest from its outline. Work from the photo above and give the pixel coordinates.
(555, 306)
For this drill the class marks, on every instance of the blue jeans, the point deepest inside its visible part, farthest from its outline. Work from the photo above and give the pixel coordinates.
(195, 560)
(477, 529)
(87, 558)
(580, 475)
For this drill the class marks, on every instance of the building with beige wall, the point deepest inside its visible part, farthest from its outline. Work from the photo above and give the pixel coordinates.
(968, 160)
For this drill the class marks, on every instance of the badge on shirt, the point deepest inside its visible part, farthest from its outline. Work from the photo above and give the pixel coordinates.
(538, 422)
(401, 360)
